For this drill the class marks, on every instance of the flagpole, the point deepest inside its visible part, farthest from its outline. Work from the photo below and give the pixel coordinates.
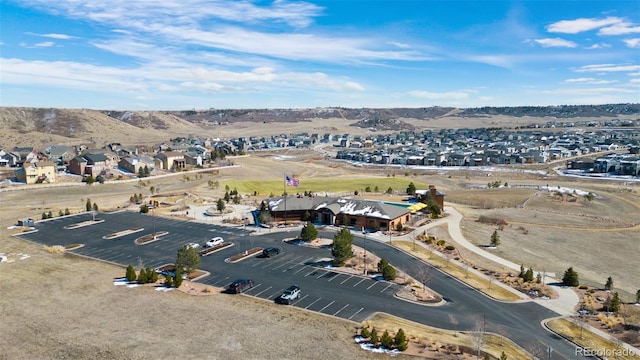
(285, 199)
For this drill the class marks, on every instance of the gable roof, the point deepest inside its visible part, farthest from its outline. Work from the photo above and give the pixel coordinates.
(368, 208)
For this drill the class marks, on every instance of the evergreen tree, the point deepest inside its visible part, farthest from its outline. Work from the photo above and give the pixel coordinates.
(187, 259)
(220, 205)
(386, 340)
(142, 276)
(177, 278)
(401, 340)
(345, 220)
(308, 232)
(168, 280)
(49, 215)
(341, 248)
(144, 208)
(389, 273)
(365, 332)
(638, 297)
(95, 207)
(528, 275)
(152, 276)
(609, 284)
(613, 303)
(227, 197)
(88, 205)
(495, 238)
(60, 213)
(44, 216)
(376, 189)
(131, 273)
(389, 190)
(374, 337)
(503, 356)
(382, 264)
(570, 277)
(66, 211)
(522, 271)
(411, 189)
(435, 210)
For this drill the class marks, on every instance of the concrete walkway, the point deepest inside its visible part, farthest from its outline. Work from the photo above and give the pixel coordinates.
(567, 298)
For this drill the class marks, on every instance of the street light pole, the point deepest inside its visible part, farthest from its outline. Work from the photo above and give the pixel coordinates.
(365, 252)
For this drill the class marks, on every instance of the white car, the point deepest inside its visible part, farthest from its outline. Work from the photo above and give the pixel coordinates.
(215, 241)
(193, 245)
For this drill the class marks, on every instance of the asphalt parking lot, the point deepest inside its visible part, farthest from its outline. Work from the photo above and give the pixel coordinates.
(324, 290)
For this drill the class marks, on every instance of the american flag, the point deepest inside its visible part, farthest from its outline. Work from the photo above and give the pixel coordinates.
(291, 181)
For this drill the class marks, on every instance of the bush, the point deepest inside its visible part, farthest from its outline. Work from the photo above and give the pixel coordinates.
(143, 277)
(401, 340)
(386, 340)
(389, 272)
(440, 242)
(570, 277)
(177, 278)
(382, 264)
(131, 273)
(450, 247)
(309, 232)
(365, 333)
(374, 337)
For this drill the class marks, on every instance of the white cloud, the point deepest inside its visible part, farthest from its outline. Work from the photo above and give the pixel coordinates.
(590, 91)
(53, 36)
(450, 95)
(633, 43)
(400, 45)
(607, 68)
(556, 42)
(590, 81)
(599, 46)
(634, 81)
(44, 44)
(581, 25)
(620, 29)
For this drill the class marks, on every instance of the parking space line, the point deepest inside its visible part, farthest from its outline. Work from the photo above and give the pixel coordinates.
(372, 285)
(217, 282)
(275, 294)
(358, 283)
(325, 273)
(258, 294)
(337, 312)
(345, 280)
(314, 270)
(304, 297)
(302, 268)
(312, 303)
(390, 284)
(326, 306)
(303, 262)
(356, 313)
(281, 265)
(334, 277)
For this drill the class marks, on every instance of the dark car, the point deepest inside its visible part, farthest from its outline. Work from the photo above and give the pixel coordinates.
(240, 286)
(270, 251)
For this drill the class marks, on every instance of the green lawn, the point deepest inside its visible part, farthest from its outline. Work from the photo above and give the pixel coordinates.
(320, 186)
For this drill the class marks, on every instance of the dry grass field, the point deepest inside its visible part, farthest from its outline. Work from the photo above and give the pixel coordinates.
(62, 306)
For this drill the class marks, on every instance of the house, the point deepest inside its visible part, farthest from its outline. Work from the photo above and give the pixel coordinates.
(170, 160)
(25, 154)
(37, 172)
(8, 159)
(89, 164)
(360, 214)
(436, 195)
(60, 154)
(133, 164)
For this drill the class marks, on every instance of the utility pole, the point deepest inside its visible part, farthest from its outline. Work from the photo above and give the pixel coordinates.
(365, 250)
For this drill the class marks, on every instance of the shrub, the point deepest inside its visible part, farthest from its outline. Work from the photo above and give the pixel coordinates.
(374, 337)
(177, 278)
(440, 242)
(450, 247)
(389, 272)
(401, 340)
(131, 273)
(570, 277)
(143, 276)
(386, 340)
(168, 280)
(365, 333)
(381, 264)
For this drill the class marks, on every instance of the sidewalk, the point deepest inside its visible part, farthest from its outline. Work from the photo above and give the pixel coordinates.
(567, 298)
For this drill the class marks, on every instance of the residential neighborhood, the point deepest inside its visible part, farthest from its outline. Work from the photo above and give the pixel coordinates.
(604, 147)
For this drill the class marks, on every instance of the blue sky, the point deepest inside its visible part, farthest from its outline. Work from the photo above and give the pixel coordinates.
(159, 54)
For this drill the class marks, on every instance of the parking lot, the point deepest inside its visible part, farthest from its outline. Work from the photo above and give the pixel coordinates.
(323, 289)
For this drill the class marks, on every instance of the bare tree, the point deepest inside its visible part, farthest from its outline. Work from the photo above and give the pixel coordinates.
(454, 321)
(478, 333)
(423, 274)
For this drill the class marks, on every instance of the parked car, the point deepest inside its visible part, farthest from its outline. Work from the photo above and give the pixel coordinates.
(270, 251)
(290, 294)
(215, 241)
(240, 286)
(193, 245)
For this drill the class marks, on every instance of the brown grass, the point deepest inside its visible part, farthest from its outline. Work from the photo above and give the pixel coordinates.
(584, 338)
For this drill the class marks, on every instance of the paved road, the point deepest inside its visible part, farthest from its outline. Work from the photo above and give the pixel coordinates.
(323, 290)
